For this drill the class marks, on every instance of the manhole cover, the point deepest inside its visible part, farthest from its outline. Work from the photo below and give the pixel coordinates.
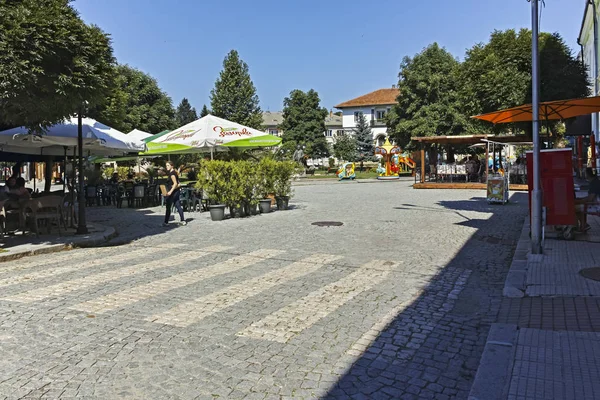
(328, 223)
(591, 273)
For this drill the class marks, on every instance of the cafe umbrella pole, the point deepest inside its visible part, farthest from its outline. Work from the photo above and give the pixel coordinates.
(81, 226)
(536, 195)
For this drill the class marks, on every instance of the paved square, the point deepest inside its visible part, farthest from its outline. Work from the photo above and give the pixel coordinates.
(396, 303)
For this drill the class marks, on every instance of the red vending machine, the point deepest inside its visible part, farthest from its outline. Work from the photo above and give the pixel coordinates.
(558, 192)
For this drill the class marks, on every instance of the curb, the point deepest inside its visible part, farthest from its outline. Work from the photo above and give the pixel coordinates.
(514, 285)
(94, 240)
(493, 375)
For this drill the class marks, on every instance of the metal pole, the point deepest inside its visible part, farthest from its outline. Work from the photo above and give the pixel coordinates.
(536, 195)
(64, 172)
(81, 223)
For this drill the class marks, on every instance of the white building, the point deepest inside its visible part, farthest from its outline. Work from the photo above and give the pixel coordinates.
(333, 127)
(271, 122)
(374, 106)
(588, 40)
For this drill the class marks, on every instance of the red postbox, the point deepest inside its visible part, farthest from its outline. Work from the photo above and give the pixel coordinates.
(558, 192)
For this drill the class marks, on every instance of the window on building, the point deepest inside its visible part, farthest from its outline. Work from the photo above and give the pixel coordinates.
(356, 115)
(339, 132)
(329, 133)
(274, 132)
(380, 114)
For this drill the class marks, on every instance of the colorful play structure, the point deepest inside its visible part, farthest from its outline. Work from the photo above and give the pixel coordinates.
(393, 162)
(346, 171)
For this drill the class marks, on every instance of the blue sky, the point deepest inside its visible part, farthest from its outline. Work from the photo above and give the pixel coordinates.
(342, 49)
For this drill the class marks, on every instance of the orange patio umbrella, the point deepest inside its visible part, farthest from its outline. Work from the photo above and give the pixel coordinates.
(549, 110)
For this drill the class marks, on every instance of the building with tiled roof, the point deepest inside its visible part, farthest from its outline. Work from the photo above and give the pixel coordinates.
(374, 106)
(271, 122)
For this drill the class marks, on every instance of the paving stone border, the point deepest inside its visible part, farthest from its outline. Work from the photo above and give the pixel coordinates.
(514, 286)
(492, 380)
(102, 235)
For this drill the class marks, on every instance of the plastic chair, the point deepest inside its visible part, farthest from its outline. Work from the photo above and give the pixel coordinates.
(47, 209)
(139, 195)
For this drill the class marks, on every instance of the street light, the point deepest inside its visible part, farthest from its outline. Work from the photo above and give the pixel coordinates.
(536, 195)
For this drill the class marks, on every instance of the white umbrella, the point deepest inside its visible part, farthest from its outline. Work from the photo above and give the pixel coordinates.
(98, 139)
(138, 135)
(208, 133)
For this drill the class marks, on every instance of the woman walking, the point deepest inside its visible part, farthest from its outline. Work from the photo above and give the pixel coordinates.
(172, 196)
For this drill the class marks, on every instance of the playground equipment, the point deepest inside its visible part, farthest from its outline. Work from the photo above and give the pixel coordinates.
(346, 171)
(391, 169)
(403, 163)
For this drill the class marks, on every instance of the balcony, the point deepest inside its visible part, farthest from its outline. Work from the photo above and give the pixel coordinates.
(378, 122)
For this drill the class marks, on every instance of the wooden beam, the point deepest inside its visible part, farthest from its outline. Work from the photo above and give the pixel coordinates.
(422, 164)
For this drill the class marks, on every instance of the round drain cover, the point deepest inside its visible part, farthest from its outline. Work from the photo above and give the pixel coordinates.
(591, 273)
(328, 223)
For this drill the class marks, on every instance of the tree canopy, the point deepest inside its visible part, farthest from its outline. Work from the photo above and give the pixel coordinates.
(234, 95)
(497, 74)
(428, 103)
(51, 62)
(136, 102)
(364, 138)
(304, 123)
(345, 147)
(185, 113)
(204, 112)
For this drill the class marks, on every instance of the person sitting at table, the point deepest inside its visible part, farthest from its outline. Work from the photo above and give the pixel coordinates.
(20, 191)
(114, 179)
(10, 184)
(589, 203)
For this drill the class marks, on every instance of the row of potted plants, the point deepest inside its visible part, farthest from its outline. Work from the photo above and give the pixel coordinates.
(244, 185)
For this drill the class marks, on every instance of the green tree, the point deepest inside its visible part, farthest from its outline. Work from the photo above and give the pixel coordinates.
(497, 75)
(204, 112)
(304, 123)
(364, 138)
(344, 148)
(51, 62)
(185, 113)
(234, 95)
(428, 103)
(136, 102)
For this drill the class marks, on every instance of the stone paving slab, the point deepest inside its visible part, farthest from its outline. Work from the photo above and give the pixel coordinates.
(27, 245)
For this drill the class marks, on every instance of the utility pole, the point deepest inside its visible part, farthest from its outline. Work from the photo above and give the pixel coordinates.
(536, 195)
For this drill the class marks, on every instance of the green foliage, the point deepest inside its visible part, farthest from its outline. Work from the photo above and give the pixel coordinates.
(136, 102)
(122, 171)
(204, 112)
(244, 183)
(284, 171)
(345, 147)
(234, 95)
(185, 113)
(304, 123)
(497, 75)
(428, 104)
(364, 139)
(51, 62)
(331, 162)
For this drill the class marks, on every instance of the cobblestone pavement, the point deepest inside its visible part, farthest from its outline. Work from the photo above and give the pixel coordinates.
(396, 303)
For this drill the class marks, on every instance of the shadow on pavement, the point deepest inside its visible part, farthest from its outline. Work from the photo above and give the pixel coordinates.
(432, 348)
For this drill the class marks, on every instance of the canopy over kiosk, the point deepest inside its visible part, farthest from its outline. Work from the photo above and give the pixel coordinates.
(444, 178)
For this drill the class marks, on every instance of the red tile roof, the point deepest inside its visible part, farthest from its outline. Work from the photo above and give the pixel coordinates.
(378, 97)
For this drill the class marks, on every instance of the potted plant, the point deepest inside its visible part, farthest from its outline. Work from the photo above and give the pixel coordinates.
(213, 178)
(249, 177)
(267, 168)
(283, 183)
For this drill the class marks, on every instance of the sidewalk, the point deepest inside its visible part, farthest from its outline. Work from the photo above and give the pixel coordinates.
(546, 342)
(17, 246)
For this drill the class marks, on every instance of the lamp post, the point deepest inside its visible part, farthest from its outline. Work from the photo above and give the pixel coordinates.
(81, 223)
(536, 195)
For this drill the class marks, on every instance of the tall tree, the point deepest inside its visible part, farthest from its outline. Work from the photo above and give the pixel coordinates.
(185, 113)
(51, 62)
(364, 138)
(136, 102)
(204, 112)
(497, 74)
(234, 95)
(345, 147)
(428, 103)
(304, 123)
